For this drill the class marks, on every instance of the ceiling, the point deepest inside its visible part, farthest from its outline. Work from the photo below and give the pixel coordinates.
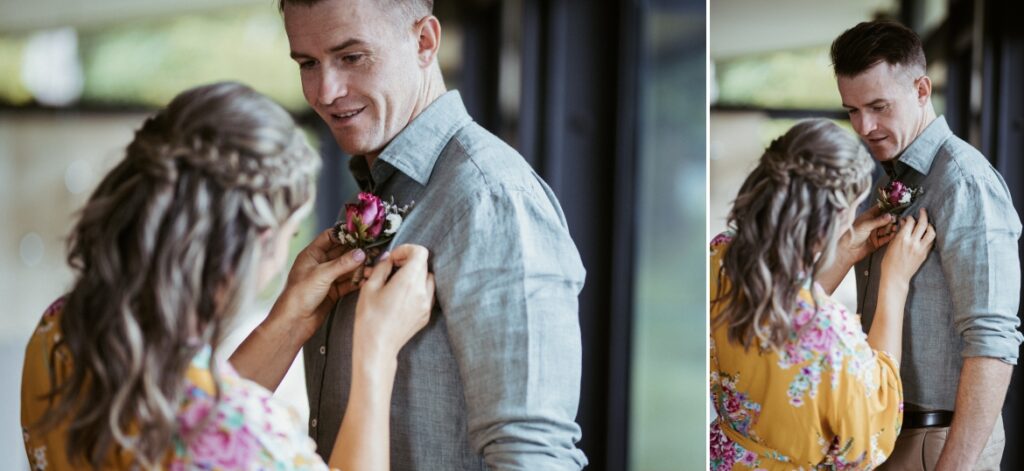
(742, 27)
(738, 27)
(17, 16)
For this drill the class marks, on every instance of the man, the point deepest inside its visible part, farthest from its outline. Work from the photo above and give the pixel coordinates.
(960, 332)
(494, 380)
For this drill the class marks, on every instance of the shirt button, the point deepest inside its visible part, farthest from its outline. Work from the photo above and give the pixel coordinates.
(312, 423)
(323, 349)
(865, 274)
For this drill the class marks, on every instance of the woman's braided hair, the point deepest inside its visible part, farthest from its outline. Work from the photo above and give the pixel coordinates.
(166, 250)
(786, 224)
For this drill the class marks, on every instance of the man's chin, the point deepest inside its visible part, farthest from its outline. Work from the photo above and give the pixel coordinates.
(882, 155)
(351, 146)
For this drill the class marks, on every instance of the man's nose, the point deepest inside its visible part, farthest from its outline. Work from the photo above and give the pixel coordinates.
(864, 124)
(333, 85)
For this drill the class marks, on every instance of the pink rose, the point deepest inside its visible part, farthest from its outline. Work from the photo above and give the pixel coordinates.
(732, 404)
(749, 458)
(723, 453)
(803, 316)
(818, 340)
(217, 446)
(896, 191)
(368, 212)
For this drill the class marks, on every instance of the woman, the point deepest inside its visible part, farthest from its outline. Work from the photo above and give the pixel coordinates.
(794, 380)
(180, 234)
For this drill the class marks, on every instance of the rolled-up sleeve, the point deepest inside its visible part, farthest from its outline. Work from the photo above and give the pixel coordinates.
(977, 231)
(508, 278)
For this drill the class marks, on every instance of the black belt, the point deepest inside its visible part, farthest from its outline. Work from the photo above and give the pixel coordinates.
(927, 419)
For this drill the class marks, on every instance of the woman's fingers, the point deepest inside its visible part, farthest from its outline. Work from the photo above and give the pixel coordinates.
(876, 221)
(329, 272)
(922, 224)
(929, 234)
(412, 260)
(336, 251)
(429, 302)
(380, 272)
(321, 245)
(409, 253)
(343, 287)
(430, 284)
(883, 236)
(907, 226)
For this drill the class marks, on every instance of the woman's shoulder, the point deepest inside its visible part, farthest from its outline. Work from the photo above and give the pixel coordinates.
(232, 422)
(825, 328)
(720, 242)
(49, 324)
(44, 338)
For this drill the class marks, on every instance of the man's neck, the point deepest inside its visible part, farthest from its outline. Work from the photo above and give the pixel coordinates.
(926, 119)
(432, 89)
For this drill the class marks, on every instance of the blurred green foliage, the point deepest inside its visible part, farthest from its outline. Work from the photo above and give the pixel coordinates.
(11, 88)
(148, 62)
(800, 78)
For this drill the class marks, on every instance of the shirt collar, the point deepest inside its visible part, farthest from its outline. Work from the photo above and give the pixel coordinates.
(920, 154)
(415, 149)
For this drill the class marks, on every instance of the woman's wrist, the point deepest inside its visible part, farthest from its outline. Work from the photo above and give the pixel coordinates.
(373, 363)
(287, 312)
(372, 353)
(894, 278)
(894, 286)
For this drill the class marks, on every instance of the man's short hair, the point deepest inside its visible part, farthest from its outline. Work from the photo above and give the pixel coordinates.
(409, 9)
(861, 47)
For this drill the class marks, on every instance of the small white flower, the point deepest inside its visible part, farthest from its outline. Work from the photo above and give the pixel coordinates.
(40, 455)
(905, 197)
(394, 222)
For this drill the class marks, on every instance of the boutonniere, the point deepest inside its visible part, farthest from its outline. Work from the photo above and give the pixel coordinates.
(896, 196)
(369, 224)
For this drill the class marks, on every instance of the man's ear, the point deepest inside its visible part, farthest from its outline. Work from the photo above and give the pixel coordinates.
(923, 86)
(428, 35)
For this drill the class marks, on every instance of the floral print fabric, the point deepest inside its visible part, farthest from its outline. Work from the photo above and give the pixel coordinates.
(824, 401)
(246, 429)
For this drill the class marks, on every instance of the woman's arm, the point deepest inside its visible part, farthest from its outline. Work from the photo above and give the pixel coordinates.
(319, 277)
(860, 241)
(388, 314)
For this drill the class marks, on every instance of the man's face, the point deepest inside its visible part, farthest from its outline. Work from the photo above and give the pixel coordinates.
(359, 69)
(886, 107)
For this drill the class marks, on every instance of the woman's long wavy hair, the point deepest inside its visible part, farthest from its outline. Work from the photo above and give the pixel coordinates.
(166, 250)
(787, 222)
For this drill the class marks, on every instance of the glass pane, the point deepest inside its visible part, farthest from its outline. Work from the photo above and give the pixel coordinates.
(668, 390)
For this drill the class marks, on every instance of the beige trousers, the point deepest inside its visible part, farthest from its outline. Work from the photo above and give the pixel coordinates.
(919, 449)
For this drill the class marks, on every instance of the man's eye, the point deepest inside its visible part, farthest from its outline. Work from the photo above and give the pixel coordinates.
(851, 112)
(880, 108)
(307, 64)
(352, 58)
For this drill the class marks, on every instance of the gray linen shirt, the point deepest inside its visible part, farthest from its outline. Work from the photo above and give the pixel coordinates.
(493, 381)
(963, 301)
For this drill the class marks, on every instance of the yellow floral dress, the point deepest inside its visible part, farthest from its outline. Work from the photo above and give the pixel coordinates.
(249, 428)
(824, 401)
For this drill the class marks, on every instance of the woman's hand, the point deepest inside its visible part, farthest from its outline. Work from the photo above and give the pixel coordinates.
(391, 311)
(320, 276)
(909, 247)
(869, 233)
